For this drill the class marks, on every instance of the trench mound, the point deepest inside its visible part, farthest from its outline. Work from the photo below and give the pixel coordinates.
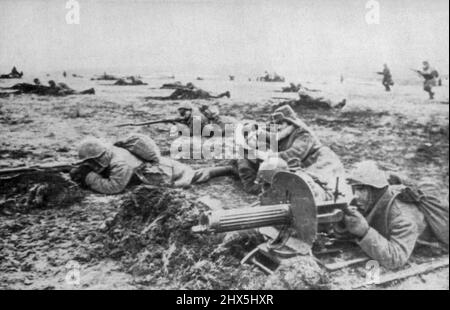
(151, 237)
(26, 191)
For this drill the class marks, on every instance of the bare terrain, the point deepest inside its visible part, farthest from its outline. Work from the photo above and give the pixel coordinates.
(141, 239)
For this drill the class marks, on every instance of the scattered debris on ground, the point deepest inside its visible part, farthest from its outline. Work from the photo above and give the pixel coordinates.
(25, 191)
(151, 237)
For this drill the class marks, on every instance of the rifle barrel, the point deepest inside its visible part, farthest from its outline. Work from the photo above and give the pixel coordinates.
(175, 120)
(58, 167)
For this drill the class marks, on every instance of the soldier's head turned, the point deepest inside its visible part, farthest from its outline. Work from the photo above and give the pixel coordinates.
(52, 84)
(426, 64)
(36, 81)
(284, 114)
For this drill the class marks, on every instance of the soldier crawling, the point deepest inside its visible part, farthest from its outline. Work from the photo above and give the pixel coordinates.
(14, 74)
(133, 82)
(313, 101)
(190, 92)
(53, 89)
(109, 169)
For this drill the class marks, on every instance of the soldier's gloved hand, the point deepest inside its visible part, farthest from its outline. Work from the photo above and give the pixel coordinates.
(356, 223)
(341, 232)
(78, 174)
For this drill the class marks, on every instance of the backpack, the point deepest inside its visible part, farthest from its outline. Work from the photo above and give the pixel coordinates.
(435, 74)
(436, 211)
(141, 146)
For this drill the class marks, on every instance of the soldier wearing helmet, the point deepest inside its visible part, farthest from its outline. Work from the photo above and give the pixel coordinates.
(215, 120)
(191, 115)
(52, 84)
(312, 99)
(387, 77)
(268, 169)
(109, 169)
(296, 144)
(386, 227)
(190, 92)
(430, 75)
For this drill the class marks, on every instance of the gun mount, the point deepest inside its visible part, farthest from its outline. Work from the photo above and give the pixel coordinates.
(290, 206)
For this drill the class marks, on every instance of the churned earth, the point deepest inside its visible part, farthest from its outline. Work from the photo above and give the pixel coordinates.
(51, 236)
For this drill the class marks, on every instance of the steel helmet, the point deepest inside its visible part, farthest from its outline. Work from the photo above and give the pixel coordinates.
(185, 106)
(302, 93)
(91, 148)
(214, 111)
(269, 167)
(367, 173)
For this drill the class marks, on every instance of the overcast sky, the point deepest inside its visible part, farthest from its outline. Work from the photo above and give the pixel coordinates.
(289, 36)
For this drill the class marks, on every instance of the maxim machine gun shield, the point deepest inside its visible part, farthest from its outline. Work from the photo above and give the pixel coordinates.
(291, 189)
(287, 214)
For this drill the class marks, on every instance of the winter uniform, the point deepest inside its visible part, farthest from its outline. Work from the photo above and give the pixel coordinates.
(137, 160)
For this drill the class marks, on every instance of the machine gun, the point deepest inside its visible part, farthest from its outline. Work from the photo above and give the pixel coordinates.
(291, 207)
(60, 167)
(160, 121)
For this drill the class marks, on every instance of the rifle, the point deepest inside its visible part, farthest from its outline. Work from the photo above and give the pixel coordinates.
(60, 167)
(424, 75)
(160, 121)
(417, 71)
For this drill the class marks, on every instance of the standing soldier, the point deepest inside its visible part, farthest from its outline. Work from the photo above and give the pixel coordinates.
(387, 77)
(430, 75)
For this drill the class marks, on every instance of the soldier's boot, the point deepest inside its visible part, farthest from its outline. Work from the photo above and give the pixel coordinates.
(90, 91)
(206, 174)
(225, 94)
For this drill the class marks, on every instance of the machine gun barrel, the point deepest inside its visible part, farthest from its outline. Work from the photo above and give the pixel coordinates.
(263, 216)
(244, 218)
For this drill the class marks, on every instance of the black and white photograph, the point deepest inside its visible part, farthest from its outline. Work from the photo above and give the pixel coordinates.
(237, 146)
